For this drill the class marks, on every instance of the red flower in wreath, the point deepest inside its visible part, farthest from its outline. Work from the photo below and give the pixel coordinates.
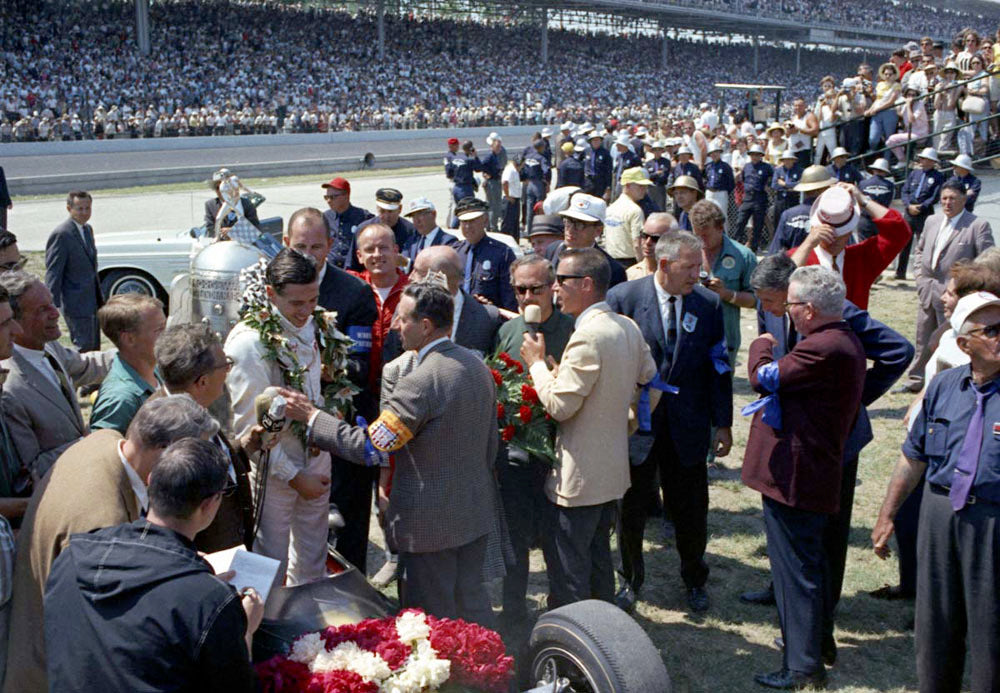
(282, 675)
(524, 413)
(508, 433)
(340, 681)
(529, 395)
(500, 410)
(497, 378)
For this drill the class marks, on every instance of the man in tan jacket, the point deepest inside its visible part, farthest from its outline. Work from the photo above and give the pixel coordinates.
(98, 482)
(589, 395)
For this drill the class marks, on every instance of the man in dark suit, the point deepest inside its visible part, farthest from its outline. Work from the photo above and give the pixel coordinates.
(71, 272)
(440, 423)
(486, 262)
(583, 223)
(213, 206)
(890, 354)
(5, 202)
(683, 325)
(423, 215)
(794, 457)
(354, 302)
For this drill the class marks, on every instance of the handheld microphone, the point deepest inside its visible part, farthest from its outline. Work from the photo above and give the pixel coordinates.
(270, 409)
(532, 317)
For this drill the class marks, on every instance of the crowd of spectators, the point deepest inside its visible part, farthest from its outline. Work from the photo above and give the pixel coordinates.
(73, 71)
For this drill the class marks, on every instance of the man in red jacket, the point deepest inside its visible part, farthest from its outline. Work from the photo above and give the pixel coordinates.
(834, 217)
(794, 456)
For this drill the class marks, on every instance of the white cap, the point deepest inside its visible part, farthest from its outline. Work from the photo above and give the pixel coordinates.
(839, 151)
(715, 146)
(546, 132)
(929, 153)
(967, 305)
(558, 200)
(418, 204)
(963, 161)
(836, 207)
(493, 137)
(581, 145)
(756, 149)
(683, 150)
(585, 208)
(568, 125)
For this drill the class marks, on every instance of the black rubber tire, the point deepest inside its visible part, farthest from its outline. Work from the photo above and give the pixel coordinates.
(113, 280)
(606, 644)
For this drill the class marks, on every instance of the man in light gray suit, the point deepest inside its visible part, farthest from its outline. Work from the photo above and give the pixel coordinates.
(39, 397)
(949, 237)
(440, 423)
(71, 272)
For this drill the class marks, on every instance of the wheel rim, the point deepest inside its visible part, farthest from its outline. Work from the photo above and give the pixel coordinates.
(553, 663)
(133, 284)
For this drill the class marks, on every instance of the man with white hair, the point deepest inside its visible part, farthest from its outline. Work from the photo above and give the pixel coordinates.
(811, 398)
(958, 567)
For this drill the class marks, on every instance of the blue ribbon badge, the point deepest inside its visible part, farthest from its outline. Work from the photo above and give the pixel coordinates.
(767, 376)
(643, 410)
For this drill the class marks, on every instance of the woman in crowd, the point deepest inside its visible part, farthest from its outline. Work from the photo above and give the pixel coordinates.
(883, 111)
(915, 123)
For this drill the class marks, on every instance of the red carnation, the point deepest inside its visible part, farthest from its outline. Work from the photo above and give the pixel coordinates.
(339, 681)
(508, 361)
(508, 433)
(281, 675)
(497, 378)
(528, 394)
(500, 410)
(524, 413)
(518, 367)
(394, 652)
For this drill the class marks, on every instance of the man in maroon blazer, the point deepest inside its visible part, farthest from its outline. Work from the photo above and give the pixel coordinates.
(793, 457)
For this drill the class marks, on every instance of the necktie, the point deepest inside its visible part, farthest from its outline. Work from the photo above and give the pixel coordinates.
(671, 327)
(88, 238)
(468, 271)
(836, 267)
(968, 456)
(64, 385)
(920, 187)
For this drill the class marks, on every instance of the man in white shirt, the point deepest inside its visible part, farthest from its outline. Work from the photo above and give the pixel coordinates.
(510, 180)
(292, 519)
(624, 218)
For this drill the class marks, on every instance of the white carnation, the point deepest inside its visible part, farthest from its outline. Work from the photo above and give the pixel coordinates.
(307, 648)
(347, 655)
(412, 626)
(419, 673)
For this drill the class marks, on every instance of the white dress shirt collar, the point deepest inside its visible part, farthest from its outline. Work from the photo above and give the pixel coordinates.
(427, 347)
(826, 259)
(138, 485)
(37, 358)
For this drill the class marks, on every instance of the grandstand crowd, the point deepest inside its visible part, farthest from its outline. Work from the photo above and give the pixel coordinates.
(72, 70)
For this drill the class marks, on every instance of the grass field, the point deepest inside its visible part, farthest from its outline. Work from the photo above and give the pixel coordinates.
(724, 649)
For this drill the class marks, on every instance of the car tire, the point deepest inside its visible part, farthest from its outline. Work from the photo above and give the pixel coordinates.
(598, 647)
(131, 281)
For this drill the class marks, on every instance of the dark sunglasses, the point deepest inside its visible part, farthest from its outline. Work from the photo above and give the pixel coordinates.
(563, 278)
(643, 236)
(990, 331)
(536, 290)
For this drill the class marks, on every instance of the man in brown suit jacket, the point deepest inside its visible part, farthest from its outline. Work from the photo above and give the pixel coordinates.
(98, 482)
(951, 236)
(794, 456)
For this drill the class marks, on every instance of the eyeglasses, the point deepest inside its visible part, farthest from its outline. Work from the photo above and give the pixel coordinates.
(333, 196)
(570, 221)
(563, 278)
(536, 290)
(990, 331)
(643, 236)
(794, 303)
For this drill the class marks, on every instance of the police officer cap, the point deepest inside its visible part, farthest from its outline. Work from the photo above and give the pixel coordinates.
(787, 154)
(594, 135)
(880, 165)
(469, 208)
(715, 146)
(684, 182)
(568, 125)
(388, 198)
(546, 132)
(546, 225)
(684, 150)
(962, 161)
(756, 149)
(815, 177)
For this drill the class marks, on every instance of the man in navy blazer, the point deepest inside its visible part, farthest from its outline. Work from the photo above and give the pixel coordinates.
(890, 354)
(423, 215)
(71, 272)
(694, 373)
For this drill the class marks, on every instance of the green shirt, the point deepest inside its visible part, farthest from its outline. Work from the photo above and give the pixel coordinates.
(557, 330)
(122, 393)
(733, 265)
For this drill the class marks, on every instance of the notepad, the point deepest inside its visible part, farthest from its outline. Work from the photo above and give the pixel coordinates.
(252, 569)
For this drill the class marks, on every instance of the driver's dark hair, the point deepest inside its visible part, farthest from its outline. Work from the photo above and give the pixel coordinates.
(590, 262)
(290, 267)
(772, 273)
(189, 471)
(431, 301)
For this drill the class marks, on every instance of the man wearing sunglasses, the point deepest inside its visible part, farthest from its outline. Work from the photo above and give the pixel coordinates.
(583, 224)
(342, 218)
(955, 439)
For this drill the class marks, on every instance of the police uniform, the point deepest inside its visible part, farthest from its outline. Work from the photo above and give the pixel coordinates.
(597, 171)
(493, 167)
(658, 171)
(958, 570)
(626, 160)
(756, 178)
(845, 174)
(487, 263)
(464, 167)
(792, 228)
(784, 196)
(449, 172)
(880, 189)
(342, 228)
(688, 168)
(571, 171)
(922, 188)
(719, 185)
(536, 174)
(973, 186)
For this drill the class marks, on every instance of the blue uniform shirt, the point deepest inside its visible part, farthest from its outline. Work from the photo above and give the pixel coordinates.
(571, 172)
(792, 228)
(846, 174)
(939, 431)
(491, 165)
(686, 169)
(489, 273)
(658, 170)
(536, 172)
(880, 189)
(342, 228)
(756, 178)
(719, 176)
(972, 188)
(597, 169)
(922, 188)
(464, 167)
(449, 165)
(791, 177)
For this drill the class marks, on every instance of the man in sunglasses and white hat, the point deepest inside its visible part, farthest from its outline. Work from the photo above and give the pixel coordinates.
(835, 215)
(583, 223)
(919, 195)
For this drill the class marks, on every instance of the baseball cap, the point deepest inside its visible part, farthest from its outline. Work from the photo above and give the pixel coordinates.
(469, 208)
(452, 140)
(388, 198)
(338, 184)
(585, 208)
(558, 200)
(418, 204)
(967, 305)
(637, 175)
(837, 208)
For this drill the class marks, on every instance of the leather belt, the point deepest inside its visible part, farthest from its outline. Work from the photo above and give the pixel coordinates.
(972, 500)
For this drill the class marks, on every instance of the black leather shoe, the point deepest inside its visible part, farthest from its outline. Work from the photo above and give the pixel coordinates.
(828, 650)
(698, 599)
(891, 593)
(786, 680)
(760, 597)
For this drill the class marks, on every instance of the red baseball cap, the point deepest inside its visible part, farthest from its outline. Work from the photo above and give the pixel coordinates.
(338, 184)
(452, 140)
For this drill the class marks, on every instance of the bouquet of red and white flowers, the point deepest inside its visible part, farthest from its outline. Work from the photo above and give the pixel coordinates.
(521, 418)
(408, 653)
